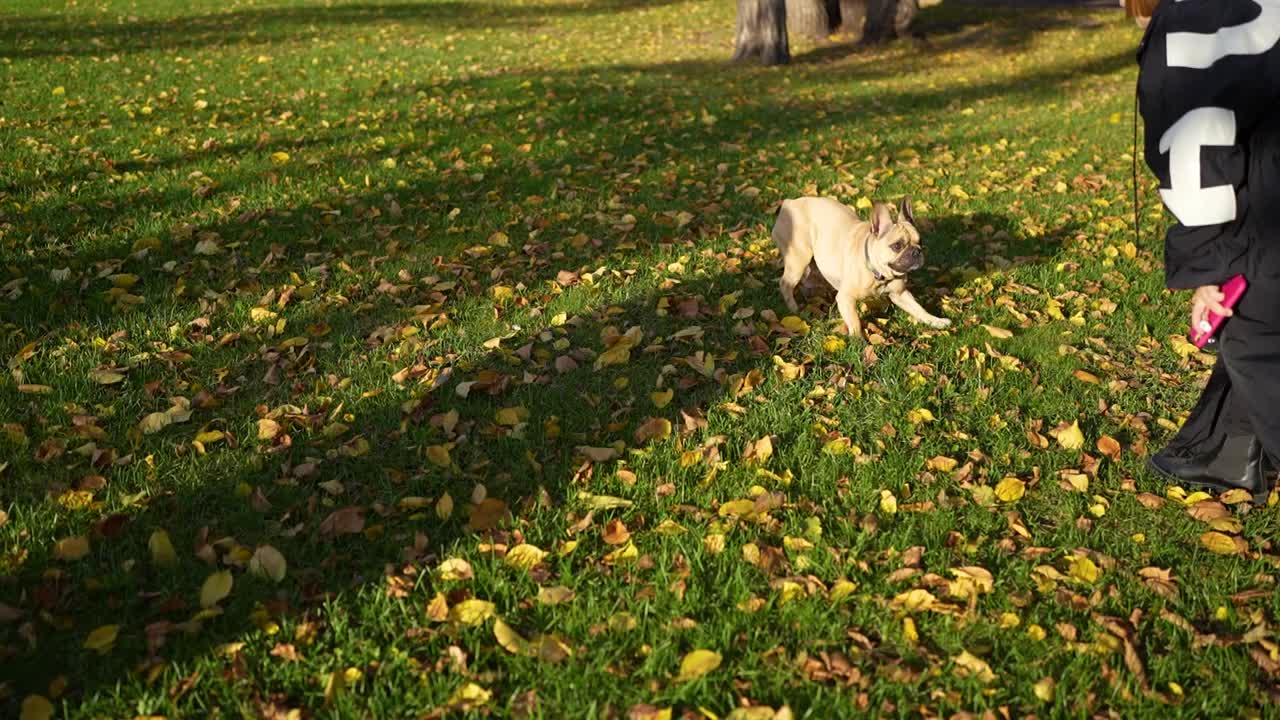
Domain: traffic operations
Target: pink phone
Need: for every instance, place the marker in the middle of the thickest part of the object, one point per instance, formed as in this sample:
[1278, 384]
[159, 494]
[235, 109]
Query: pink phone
[1231, 290]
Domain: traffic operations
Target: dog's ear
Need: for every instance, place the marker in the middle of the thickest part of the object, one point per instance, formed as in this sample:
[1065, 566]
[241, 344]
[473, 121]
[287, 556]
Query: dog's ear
[881, 219]
[904, 210]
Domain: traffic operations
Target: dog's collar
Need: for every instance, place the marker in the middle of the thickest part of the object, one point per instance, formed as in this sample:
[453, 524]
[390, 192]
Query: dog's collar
[866, 251]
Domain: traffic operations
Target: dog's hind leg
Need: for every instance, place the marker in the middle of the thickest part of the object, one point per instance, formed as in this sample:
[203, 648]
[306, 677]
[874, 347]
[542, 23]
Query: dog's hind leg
[792, 273]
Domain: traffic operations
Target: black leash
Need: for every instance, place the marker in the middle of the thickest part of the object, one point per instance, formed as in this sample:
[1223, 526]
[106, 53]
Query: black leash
[1137, 215]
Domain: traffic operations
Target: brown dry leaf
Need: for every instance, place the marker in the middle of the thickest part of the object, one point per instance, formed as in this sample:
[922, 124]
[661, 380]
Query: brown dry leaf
[1086, 377]
[941, 463]
[615, 533]
[71, 549]
[1208, 510]
[346, 521]
[654, 429]
[489, 514]
[759, 451]
[1109, 447]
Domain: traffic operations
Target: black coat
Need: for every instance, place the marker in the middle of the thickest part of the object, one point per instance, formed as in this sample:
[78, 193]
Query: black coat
[1209, 95]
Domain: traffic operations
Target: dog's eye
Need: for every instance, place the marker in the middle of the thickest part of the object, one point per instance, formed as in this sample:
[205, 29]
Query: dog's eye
[896, 246]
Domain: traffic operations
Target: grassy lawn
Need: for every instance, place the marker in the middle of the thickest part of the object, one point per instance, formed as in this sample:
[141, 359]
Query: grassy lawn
[405, 359]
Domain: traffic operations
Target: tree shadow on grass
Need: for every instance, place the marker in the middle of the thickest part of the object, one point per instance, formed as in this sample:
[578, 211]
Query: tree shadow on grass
[73, 35]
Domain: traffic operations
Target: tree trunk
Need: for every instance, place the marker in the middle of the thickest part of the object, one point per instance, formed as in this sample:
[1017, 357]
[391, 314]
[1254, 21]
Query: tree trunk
[883, 19]
[808, 17]
[852, 14]
[906, 15]
[762, 32]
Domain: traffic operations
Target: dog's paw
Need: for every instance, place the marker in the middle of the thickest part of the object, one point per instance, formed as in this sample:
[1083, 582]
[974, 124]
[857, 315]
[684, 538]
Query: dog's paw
[939, 323]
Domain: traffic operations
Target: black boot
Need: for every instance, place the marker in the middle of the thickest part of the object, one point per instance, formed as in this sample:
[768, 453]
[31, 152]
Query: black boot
[1241, 463]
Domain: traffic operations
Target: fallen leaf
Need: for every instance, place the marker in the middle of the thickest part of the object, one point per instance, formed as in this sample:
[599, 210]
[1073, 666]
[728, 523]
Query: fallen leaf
[997, 332]
[102, 639]
[268, 429]
[269, 563]
[555, 595]
[162, 552]
[1109, 447]
[71, 549]
[346, 521]
[36, 707]
[654, 429]
[698, 663]
[1010, 489]
[455, 570]
[525, 556]
[1223, 544]
[1069, 436]
[615, 533]
[472, 612]
[216, 587]
[509, 639]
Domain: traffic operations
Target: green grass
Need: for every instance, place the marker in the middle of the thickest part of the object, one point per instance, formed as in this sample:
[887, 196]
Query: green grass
[469, 191]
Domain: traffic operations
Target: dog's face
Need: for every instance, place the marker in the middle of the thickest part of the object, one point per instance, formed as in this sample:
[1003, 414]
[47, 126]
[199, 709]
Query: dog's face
[894, 245]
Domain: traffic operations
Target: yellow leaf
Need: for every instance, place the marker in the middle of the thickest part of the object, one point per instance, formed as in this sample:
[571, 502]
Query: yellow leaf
[279, 157]
[509, 639]
[1070, 437]
[698, 663]
[1223, 544]
[471, 612]
[662, 398]
[511, 416]
[942, 463]
[268, 429]
[795, 325]
[915, 599]
[919, 415]
[555, 595]
[1086, 377]
[438, 608]
[997, 332]
[833, 343]
[975, 665]
[105, 377]
[1083, 569]
[36, 707]
[841, 590]
[909, 630]
[71, 549]
[626, 552]
[888, 502]
[439, 455]
[1045, 689]
[713, 544]
[102, 639]
[1011, 489]
[455, 569]
[162, 552]
[469, 696]
[269, 563]
[444, 506]
[1235, 497]
[525, 556]
[216, 587]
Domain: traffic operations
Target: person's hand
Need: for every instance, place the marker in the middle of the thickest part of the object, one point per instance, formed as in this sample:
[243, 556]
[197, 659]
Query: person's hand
[1206, 298]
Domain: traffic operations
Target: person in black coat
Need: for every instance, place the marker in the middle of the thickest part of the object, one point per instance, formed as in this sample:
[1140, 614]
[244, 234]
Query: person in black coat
[1209, 97]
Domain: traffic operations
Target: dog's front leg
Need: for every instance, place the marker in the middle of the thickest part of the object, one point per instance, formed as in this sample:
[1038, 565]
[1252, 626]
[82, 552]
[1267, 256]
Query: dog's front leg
[905, 300]
[846, 302]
